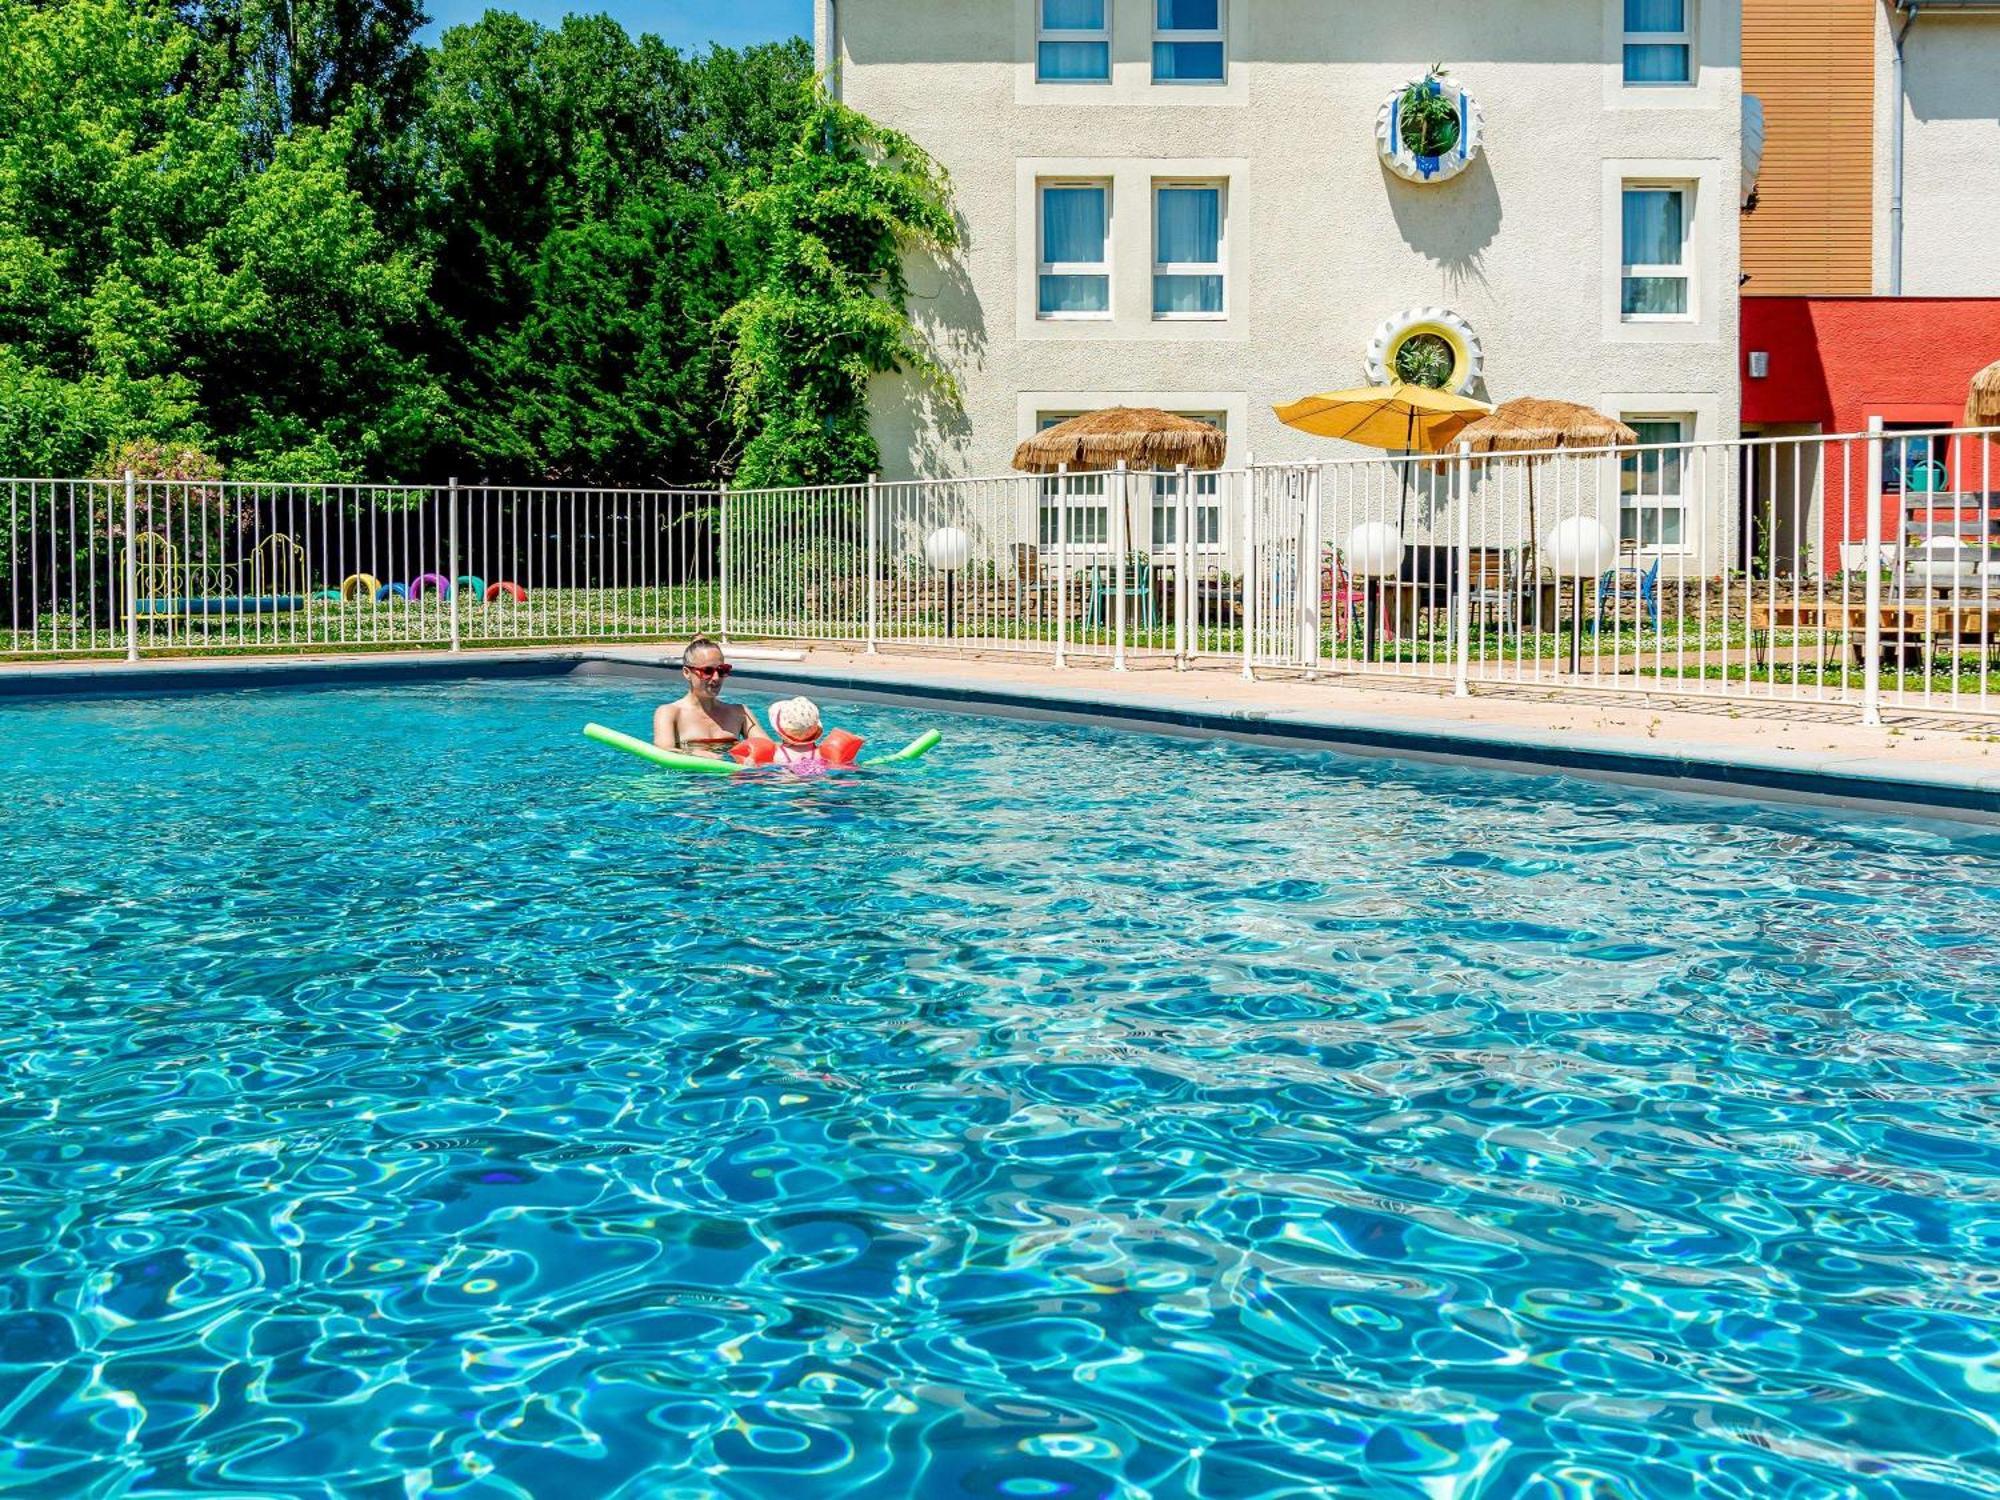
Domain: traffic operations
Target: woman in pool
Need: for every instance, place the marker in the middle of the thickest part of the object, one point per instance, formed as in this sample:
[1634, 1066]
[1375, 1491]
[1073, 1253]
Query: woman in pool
[701, 723]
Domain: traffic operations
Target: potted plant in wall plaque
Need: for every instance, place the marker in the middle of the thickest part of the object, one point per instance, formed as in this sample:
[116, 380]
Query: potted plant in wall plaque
[1429, 129]
[1427, 119]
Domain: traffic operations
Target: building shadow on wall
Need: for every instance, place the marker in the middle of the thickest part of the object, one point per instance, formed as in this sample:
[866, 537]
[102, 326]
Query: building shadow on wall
[944, 307]
[1450, 223]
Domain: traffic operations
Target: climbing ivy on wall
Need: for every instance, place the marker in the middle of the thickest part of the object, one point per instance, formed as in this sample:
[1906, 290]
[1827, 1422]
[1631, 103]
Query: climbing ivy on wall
[840, 220]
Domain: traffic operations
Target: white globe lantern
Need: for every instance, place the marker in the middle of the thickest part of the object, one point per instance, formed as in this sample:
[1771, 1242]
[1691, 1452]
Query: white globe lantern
[1580, 548]
[948, 549]
[1375, 550]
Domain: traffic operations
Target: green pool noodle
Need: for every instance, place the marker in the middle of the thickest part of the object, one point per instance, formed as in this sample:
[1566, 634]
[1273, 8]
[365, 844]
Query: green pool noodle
[673, 760]
[701, 765]
[917, 749]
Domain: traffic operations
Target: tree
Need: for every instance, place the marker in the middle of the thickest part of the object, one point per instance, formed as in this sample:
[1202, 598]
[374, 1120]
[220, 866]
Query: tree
[586, 252]
[158, 281]
[307, 62]
[838, 219]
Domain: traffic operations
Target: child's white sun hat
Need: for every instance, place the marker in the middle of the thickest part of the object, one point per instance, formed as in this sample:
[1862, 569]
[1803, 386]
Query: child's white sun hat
[796, 718]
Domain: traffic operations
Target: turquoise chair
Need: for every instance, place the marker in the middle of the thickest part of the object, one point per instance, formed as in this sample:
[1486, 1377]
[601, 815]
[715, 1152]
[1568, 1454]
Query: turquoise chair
[1138, 586]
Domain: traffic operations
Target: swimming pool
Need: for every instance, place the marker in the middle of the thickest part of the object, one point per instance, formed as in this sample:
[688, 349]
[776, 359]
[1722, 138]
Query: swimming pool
[404, 1095]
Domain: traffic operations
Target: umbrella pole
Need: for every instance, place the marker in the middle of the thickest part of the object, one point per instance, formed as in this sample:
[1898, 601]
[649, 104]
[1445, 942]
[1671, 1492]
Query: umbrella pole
[1403, 501]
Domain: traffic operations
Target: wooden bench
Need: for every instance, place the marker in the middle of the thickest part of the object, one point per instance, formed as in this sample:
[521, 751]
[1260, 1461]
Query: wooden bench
[1911, 629]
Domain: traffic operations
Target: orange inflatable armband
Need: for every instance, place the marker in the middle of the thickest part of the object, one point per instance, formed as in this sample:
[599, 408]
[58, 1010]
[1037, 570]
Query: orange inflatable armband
[758, 752]
[839, 747]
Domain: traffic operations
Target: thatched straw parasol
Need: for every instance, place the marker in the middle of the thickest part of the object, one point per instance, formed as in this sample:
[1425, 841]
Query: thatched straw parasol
[1982, 405]
[1138, 436]
[1531, 424]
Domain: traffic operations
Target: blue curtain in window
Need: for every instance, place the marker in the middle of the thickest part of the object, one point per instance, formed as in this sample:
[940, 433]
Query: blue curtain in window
[1189, 227]
[1187, 62]
[1188, 15]
[1653, 228]
[1655, 15]
[1187, 230]
[1072, 15]
[1656, 472]
[1664, 296]
[1073, 226]
[1073, 62]
[1656, 63]
[1187, 294]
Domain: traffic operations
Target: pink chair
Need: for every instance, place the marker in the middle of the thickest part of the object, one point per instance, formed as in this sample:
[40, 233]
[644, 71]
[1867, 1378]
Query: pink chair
[1339, 596]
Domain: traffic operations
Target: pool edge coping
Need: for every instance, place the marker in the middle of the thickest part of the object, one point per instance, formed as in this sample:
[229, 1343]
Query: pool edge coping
[1836, 779]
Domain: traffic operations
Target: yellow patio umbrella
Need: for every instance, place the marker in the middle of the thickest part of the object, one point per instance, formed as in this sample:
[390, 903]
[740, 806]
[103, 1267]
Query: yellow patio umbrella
[1411, 417]
[1414, 418]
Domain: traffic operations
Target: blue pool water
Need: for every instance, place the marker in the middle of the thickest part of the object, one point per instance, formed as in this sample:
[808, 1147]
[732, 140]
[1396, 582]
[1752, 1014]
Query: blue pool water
[404, 1096]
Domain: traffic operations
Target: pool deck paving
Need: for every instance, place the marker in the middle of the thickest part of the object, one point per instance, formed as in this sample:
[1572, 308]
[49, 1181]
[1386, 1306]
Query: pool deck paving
[1775, 748]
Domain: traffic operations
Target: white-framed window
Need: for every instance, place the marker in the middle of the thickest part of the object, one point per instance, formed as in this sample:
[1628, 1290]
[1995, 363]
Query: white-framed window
[1659, 43]
[1188, 43]
[1083, 495]
[1657, 220]
[1073, 41]
[1189, 244]
[1205, 487]
[1652, 503]
[1073, 279]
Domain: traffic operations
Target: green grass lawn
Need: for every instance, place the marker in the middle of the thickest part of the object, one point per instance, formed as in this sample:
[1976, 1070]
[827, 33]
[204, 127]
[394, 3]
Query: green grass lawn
[583, 616]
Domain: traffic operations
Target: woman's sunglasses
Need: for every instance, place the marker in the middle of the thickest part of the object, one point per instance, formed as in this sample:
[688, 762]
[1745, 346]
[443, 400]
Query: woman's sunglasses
[714, 674]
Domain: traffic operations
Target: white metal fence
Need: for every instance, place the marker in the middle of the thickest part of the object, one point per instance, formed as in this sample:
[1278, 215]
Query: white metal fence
[1860, 570]
[132, 567]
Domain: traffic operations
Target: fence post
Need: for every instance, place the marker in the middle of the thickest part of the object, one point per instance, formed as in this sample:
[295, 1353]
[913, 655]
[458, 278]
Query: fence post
[1460, 688]
[455, 571]
[1316, 597]
[722, 531]
[1121, 565]
[1062, 563]
[1183, 559]
[1248, 612]
[131, 567]
[874, 560]
[1871, 650]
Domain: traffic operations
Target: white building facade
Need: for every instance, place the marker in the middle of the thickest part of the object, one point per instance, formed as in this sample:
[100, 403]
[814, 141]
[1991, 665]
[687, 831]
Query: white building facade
[1948, 95]
[1207, 206]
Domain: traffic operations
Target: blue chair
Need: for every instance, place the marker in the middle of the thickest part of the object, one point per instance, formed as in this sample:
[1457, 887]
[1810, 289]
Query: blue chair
[1136, 585]
[1649, 589]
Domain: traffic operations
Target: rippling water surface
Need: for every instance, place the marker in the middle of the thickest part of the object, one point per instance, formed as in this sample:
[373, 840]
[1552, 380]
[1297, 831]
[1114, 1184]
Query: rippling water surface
[403, 1095]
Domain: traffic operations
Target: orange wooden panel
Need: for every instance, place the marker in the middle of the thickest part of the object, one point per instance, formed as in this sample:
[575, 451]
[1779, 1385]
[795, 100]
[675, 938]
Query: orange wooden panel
[1812, 62]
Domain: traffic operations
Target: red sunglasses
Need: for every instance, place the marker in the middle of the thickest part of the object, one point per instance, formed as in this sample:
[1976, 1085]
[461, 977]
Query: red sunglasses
[714, 672]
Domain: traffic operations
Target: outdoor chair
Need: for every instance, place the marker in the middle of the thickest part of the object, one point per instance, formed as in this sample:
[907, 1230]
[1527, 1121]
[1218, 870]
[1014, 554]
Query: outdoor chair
[1644, 586]
[1338, 596]
[1136, 585]
[1491, 589]
[1034, 581]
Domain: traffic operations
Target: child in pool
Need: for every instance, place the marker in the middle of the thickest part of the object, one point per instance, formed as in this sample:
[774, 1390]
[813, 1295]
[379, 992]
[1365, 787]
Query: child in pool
[803, 746]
